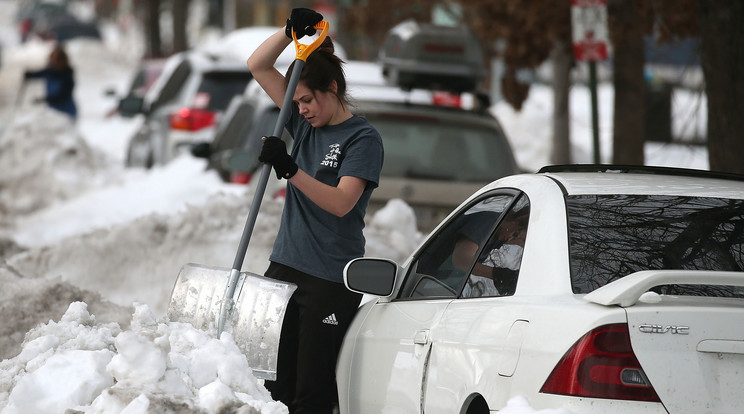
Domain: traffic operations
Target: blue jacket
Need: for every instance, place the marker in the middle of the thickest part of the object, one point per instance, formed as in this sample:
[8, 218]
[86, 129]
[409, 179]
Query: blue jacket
[59, 87]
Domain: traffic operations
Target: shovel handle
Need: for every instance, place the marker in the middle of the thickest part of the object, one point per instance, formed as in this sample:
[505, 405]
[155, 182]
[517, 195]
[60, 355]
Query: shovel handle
[284, 112]
[229, 298]
[303, 50]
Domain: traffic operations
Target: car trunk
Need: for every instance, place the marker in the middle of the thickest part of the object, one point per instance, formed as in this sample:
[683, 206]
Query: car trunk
[692, 344]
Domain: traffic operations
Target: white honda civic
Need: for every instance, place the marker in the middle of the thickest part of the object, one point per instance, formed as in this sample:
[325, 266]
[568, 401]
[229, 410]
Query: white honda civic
[596, 289]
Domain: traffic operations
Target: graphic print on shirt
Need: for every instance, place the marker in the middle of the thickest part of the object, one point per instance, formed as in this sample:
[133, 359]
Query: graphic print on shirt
[331, 159]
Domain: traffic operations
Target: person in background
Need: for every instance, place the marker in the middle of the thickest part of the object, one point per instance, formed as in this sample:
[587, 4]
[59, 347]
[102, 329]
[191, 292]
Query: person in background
[331, 170]
[60, 82]
[495, 272]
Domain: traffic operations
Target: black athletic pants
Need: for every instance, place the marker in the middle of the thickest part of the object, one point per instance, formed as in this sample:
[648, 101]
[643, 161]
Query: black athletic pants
[317, 317]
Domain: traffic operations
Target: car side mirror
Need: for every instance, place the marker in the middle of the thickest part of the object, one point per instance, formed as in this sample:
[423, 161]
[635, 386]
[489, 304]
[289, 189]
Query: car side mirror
[371, 275]
[130, 106]
[201, 150]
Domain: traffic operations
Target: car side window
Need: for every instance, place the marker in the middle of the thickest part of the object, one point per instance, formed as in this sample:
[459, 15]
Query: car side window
[236, 129]
[173, 86]
[443, 266]
[496, 271]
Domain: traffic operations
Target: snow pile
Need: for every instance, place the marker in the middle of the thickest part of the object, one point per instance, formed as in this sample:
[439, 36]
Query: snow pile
[153, 367]
[44, 161]
[392, 232]
[26, 302]
[138, 261]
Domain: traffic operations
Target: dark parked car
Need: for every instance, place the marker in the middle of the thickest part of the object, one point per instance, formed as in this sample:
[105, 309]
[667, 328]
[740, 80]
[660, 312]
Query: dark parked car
[53, 20]
[233, 152]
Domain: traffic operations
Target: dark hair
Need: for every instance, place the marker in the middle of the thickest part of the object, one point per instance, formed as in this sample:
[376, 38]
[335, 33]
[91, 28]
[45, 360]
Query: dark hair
[321, 68]
[58, 58]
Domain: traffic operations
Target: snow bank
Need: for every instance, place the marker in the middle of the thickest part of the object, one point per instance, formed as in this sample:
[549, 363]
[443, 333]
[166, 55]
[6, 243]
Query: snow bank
[155, 366]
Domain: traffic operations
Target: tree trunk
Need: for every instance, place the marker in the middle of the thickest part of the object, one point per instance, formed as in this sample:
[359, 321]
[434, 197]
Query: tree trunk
[629, 83]
[152, 28]
[562, 62]
[722, 56]
[180, 16]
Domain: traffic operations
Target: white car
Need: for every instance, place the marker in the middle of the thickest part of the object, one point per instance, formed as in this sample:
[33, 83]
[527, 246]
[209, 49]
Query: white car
[595, 289]
[186, 104]
[183, 106]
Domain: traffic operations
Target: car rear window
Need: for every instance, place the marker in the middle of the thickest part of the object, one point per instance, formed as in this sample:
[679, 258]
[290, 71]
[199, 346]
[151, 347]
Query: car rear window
[218, 88]
[611, 236]
[429, 147]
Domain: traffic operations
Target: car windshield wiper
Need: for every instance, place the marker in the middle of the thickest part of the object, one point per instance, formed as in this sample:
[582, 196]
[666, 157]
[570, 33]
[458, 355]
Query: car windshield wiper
[429, 174]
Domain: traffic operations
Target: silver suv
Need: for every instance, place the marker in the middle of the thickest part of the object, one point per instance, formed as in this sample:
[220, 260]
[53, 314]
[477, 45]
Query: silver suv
[183, 106]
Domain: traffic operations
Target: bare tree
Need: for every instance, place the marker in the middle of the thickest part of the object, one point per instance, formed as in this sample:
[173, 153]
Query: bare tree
[627, 22]
[562, 64]
[180, 10]
[722, 37]
[149, 10]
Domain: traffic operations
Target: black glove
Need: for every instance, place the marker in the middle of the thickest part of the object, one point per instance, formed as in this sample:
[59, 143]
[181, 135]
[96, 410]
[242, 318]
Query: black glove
[302, 21]
[274, 152]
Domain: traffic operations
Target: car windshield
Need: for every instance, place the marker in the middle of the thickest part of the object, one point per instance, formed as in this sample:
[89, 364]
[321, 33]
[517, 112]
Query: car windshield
[611, 236]
[220, 87]
[432, 148]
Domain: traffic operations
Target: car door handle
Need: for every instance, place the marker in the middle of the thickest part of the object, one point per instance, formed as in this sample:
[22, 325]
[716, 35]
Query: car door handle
[421, 337]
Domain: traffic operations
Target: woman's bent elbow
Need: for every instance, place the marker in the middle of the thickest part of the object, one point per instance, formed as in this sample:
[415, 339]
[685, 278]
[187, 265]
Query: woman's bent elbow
[340, 213]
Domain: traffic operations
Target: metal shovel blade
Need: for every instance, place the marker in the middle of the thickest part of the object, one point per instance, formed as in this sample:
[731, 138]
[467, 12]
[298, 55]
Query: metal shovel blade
[255, 321]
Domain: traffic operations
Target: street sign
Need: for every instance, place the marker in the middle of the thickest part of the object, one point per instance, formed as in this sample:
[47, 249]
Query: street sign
[589, 29]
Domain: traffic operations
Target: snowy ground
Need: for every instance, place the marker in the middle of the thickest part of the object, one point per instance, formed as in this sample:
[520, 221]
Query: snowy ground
[89, 250]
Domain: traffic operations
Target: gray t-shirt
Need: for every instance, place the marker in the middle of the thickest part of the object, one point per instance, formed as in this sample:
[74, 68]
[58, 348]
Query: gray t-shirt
[310, 239]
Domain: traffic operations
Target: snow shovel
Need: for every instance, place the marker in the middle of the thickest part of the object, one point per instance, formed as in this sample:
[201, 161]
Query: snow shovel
[248, 305]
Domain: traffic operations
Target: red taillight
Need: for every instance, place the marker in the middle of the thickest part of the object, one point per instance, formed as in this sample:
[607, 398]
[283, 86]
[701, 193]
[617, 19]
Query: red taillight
[601, 365]
[240, 178]
[441, 98]
[190, 119]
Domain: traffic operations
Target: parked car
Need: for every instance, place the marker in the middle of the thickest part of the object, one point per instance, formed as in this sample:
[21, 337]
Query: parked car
[145, 75]
[625, 294]
[441, 142]
[435, 156]
[187, 102]
[438, 150]
[233, 152]
[33, 16]
[53, 20]
[183, 106]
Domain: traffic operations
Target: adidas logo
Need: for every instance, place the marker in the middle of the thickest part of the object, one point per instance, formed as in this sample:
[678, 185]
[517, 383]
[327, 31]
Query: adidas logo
[331, 319]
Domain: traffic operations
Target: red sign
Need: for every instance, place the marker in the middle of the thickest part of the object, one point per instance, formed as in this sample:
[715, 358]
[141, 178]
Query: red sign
[589, 29]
